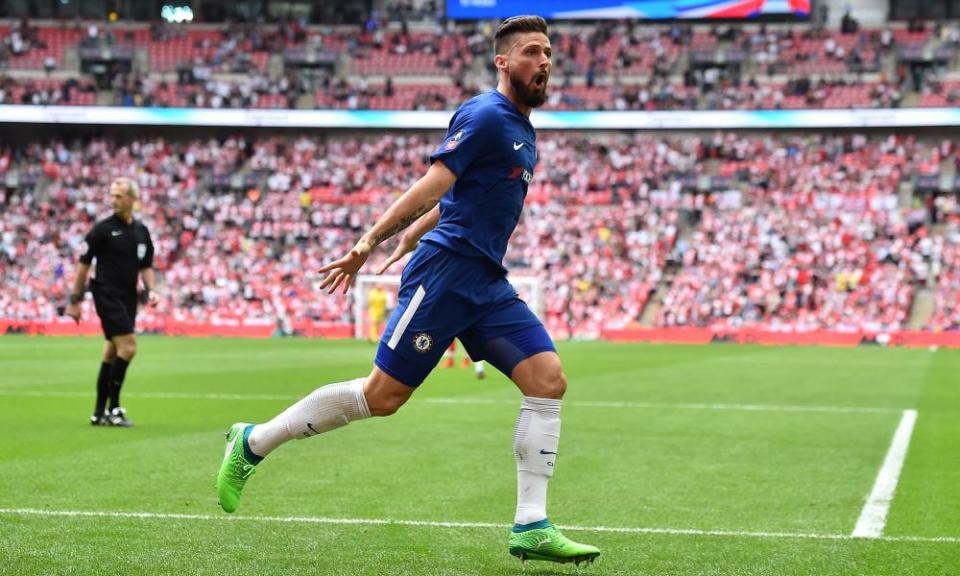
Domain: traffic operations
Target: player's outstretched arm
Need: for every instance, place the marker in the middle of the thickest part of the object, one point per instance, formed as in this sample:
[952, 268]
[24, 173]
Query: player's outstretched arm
[76, 296]
[411, 236]
[411, 205]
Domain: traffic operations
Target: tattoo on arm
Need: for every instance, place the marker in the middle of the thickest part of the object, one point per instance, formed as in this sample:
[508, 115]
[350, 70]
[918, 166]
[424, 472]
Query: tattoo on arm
[403, 223]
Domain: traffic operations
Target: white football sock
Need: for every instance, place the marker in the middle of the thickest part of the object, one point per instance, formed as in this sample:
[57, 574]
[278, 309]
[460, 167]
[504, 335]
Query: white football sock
[535, 445]
[478, 366]
[325, 409]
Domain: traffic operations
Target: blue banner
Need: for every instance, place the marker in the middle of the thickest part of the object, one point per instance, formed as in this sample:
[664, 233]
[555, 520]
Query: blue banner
[624, 9]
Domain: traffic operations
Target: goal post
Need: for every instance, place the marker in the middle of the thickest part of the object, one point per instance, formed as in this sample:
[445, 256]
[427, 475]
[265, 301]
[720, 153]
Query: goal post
[529, 288]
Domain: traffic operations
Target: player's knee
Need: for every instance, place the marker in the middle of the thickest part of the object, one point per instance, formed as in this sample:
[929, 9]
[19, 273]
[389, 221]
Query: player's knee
[384, 397]
[127, 350]
[548, 383]
[551, 382]
[384, 405]
[541, 376]
[554, 384]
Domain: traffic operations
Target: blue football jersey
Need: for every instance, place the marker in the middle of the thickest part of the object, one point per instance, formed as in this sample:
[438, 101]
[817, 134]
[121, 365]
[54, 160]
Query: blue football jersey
[492, 148]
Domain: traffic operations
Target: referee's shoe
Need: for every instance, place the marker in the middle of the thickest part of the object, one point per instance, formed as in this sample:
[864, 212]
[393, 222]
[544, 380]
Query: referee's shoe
[118, 417]
[99, 420]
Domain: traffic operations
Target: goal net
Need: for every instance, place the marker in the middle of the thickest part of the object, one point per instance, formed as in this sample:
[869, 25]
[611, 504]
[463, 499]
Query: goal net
[528, 288]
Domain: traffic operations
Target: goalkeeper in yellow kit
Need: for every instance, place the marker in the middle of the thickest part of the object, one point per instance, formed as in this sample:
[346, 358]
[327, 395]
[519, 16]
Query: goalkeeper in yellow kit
[376, 311]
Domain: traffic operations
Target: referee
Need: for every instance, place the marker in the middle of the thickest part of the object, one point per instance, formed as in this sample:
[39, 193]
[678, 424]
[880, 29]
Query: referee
[123, 250]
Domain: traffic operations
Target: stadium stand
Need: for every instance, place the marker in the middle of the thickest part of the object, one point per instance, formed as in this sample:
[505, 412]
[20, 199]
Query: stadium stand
[947, 300]
[778, 232]
[433, 64]
[791, 233]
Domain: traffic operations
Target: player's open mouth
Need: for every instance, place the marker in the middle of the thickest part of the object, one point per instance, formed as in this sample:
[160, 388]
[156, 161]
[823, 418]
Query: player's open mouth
[540, 80]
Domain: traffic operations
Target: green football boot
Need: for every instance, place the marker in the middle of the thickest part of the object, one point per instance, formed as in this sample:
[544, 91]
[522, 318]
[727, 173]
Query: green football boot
[235, 470]
[549, 544]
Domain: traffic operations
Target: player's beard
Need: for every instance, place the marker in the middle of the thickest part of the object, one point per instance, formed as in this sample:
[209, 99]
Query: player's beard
[531, 93]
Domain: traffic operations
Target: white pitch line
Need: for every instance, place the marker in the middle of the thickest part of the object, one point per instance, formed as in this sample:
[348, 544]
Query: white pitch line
[873, 518]
[154, 395]
[444, 524]
[684, 405]
[487, 401]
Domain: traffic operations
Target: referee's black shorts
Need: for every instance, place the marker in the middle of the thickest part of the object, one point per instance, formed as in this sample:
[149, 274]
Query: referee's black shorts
[117, 312]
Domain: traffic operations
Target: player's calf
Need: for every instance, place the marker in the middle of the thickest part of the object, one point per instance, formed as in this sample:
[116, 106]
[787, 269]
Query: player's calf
[326, 408]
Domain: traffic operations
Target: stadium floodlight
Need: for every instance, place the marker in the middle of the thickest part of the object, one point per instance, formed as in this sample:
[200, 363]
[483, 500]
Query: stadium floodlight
[176, 14]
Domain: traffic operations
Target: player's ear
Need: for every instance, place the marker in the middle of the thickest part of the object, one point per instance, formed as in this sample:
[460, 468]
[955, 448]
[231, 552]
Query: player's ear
[500, 61]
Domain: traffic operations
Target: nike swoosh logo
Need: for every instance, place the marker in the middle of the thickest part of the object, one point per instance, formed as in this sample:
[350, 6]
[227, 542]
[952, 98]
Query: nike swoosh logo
[542, 451]
[518, 146]
[116, 233]
[230, 446]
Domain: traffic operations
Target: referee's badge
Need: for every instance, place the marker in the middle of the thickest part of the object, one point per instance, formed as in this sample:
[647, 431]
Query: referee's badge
[422, 342]
[141, 251]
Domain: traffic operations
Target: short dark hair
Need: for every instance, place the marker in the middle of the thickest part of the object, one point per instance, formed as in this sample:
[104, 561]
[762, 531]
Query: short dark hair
[516, 25]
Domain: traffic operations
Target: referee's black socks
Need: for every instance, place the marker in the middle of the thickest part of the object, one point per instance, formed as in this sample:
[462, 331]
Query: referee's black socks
[103, 388]
[117, 373]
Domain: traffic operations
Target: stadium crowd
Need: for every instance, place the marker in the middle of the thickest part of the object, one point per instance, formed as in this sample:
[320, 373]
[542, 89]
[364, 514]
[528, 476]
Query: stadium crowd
[946, 315]
[791, 232]
[817, 240]
[433, 64]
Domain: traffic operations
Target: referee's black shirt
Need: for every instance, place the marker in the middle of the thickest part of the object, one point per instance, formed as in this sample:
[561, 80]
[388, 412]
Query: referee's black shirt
[121, 250]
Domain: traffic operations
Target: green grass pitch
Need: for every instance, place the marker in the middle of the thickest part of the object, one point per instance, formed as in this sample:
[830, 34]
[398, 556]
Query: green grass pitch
[713, 460]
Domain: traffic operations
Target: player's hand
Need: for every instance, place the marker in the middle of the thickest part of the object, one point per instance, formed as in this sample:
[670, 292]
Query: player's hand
[406, 245]
[153, 299]
[73, 311]
[342, 272]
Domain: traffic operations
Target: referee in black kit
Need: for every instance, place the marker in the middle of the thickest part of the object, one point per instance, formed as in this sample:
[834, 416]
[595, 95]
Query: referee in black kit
[123, 250]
